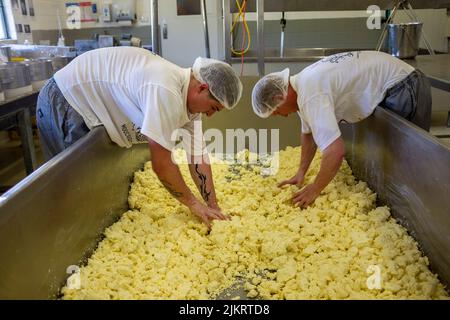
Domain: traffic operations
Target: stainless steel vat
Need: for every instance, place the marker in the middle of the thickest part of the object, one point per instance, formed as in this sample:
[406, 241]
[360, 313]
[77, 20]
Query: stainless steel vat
[54, 218]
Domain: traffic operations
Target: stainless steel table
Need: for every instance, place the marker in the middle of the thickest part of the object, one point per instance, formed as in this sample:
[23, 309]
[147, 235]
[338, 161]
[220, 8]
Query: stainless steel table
[17, 113]
[437, 69]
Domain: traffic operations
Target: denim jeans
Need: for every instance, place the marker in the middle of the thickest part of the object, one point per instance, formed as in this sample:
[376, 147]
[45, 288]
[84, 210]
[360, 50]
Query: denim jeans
[411, 99]
[59, 124]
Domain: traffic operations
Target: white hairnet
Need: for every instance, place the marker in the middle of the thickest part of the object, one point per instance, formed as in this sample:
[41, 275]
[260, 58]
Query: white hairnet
[263, 95]
[221, 79]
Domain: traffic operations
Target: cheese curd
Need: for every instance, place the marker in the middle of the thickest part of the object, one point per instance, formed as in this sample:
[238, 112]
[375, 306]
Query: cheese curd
[334, 249]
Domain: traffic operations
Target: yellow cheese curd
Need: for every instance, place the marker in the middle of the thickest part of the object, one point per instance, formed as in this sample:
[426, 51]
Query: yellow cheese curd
[159, 250]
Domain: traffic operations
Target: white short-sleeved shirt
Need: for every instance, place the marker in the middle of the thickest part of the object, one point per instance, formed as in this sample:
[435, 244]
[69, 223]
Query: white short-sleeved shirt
[344, 87]
[132, 92]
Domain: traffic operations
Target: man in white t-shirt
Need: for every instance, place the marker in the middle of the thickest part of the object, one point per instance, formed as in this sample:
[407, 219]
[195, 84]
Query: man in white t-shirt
[344, 87]
[140, 97]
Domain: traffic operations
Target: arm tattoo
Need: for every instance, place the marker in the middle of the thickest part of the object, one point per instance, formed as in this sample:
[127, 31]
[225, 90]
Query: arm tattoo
[202, 178]
[169, 188]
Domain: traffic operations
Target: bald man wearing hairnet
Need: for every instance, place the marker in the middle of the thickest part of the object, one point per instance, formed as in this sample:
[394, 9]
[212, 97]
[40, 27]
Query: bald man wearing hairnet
[140, 97]
[345, 87]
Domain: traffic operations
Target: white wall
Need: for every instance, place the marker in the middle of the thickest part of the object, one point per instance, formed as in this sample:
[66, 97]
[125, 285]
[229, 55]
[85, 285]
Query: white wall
[142, 9]
[186, 40]
[44, 18]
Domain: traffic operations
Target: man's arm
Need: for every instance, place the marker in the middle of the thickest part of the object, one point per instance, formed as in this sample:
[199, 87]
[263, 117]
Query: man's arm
[201, 173]
[331, 162]
[170, 176]
[309, 149]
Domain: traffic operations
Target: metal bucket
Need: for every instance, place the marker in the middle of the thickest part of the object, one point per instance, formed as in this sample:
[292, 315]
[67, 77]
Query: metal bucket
[404, 39]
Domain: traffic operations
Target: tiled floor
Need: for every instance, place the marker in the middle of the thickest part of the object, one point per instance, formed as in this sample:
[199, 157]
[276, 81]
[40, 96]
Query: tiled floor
[12, 168]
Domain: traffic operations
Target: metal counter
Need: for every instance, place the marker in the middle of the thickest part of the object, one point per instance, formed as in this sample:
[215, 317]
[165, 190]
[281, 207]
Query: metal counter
[437, 69]
[17, 112]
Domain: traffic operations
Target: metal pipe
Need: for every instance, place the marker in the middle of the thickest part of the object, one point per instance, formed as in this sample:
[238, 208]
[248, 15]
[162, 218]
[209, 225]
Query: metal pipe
[226, 30]
[205, 28]
[283, 26]
[155, 29]
[260, 36]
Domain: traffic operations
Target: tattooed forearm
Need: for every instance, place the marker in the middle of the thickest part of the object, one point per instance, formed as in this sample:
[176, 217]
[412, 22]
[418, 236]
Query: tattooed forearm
[203, 191]
[169, 188]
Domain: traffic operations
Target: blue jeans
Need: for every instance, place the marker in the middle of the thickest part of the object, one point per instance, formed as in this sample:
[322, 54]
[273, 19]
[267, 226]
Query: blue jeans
[59, 124]
[411, 99]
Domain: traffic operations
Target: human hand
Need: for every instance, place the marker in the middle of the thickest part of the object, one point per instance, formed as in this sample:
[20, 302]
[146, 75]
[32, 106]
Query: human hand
[298, 180]
[213, 205]
[306, 196]
[207, 214]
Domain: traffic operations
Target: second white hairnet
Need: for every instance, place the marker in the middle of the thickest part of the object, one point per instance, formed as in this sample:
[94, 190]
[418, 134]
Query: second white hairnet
[222, 80]
[266, 90]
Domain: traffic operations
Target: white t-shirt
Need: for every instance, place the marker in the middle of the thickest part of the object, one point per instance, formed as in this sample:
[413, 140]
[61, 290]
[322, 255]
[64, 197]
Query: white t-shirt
[344, 87]
[132, 92]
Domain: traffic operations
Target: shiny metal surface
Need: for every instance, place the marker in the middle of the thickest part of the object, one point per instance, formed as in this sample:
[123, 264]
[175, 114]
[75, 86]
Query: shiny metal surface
[15, 75]
[205, 28]
[40, 69]
[5, 54]
[156, 48]
[436, 67]
[55, 217]
[282, 44]
[404, 39]
[36, 51]
[60, 62]
[292, 54]
[410, 171]
[105, 41]
[226, 16]
[260, 36]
